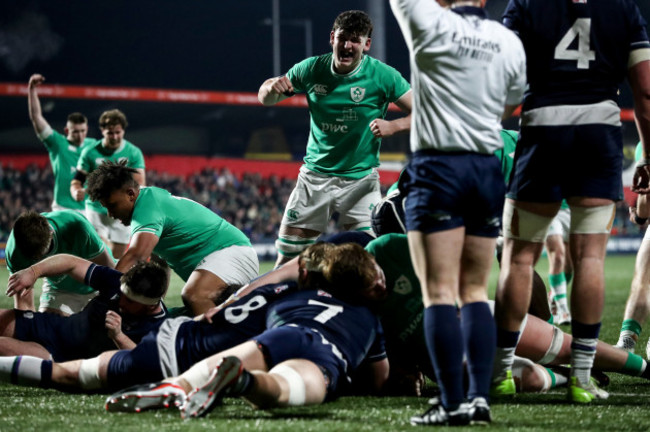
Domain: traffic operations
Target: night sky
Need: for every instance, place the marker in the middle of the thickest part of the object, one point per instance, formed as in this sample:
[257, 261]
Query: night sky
[193, 44]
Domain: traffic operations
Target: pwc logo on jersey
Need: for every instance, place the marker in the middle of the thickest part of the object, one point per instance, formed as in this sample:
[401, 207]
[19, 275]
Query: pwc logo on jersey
[319, 89]
[333, 127]
[357, 94]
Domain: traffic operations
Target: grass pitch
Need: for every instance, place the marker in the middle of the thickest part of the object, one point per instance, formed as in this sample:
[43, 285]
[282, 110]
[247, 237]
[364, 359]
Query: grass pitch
[626, 409]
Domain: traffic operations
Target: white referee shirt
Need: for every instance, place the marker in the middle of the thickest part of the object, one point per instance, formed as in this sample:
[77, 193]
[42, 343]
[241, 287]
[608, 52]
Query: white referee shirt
[464, 69]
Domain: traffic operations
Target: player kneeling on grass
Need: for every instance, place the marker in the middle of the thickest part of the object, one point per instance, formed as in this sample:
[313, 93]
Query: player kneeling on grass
[211, 255]
[36, 236]
[314, 340]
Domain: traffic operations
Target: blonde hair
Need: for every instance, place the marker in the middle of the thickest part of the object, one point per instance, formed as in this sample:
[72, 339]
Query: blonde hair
[345, 270]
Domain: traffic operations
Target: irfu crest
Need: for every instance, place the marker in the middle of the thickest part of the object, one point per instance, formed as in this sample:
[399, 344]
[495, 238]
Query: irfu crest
[357, 93]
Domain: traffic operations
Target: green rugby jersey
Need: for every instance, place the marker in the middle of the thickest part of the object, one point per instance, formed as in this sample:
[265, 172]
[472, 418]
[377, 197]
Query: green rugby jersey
[63, 158]
[402, 313]
[341, 108]
[507, 154]
[96, 154]
[72, 234]
[187, 231]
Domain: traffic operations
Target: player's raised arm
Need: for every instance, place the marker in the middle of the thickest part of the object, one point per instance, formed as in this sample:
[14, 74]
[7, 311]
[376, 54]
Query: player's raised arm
[275, 90]
[34, 104]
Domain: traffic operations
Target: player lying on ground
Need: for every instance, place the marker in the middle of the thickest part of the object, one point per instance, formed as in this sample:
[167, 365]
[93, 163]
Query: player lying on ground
[128, 306]
[179, 343]
[401, 314]
[313, 341]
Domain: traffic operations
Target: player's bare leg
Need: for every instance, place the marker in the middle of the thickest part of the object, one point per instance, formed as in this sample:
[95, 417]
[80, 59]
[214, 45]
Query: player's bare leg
[637, 307]
[201, 291]
[291, 241]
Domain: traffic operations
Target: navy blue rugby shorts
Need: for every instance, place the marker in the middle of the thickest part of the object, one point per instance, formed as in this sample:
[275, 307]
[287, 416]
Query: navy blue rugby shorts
[293, 342]
[557, 162]
[447, 190]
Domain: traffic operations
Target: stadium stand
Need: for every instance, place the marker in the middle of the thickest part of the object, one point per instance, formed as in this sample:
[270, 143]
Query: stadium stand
[252, 200]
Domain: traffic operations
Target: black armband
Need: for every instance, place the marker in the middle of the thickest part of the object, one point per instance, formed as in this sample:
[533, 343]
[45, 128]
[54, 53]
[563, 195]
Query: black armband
[640, 220]
[81, 176]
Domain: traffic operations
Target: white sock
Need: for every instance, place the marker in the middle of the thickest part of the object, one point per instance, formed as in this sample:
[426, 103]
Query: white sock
[24, 370]
[583, 351]
[503, 360]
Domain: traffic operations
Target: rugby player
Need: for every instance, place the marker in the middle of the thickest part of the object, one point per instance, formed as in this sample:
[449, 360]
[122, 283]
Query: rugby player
[63, 150]
[180, 343]
[580, 52]
[313, 341]
[36, 236]
[126, 308]
[560, 271]
[208, 253]
[112, 147]
[348, 93]
[637, 307]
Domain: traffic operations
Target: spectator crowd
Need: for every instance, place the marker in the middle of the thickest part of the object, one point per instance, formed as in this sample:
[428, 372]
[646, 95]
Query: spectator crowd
[252, 203]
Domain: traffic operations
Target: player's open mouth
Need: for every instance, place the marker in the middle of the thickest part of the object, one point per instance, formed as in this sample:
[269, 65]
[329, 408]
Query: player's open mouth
[346, 56]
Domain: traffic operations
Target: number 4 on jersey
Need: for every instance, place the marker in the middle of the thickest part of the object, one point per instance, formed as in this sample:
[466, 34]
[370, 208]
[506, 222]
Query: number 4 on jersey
[580, 29]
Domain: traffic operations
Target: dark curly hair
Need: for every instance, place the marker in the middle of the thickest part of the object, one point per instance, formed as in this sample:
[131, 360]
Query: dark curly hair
[148, 279]
[109, 177]
[355, 22]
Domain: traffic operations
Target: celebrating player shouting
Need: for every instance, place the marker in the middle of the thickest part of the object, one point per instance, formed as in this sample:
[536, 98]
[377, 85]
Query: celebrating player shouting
[348, 93]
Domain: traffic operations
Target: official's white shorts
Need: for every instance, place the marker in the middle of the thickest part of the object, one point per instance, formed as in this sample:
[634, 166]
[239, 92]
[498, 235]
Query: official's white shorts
[235, 265]
[317, 197]
[64, 301]
[109, 228]
[561, 224]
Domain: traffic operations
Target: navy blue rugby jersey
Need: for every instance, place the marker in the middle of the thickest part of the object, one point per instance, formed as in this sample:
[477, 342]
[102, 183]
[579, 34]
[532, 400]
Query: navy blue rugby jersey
[106, 280]
[577, 50]
[354, 330]
[234, 324]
